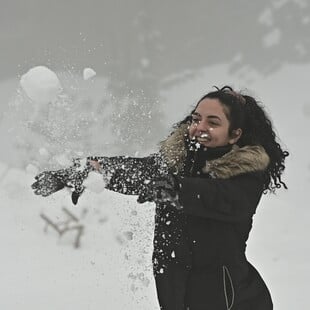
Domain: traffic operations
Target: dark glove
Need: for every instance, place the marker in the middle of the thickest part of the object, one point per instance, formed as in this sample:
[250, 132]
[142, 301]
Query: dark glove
[49, 182]
[162, 189]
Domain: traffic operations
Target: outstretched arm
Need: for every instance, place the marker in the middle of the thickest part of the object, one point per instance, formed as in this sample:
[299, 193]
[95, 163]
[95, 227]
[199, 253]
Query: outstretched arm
[128, 175]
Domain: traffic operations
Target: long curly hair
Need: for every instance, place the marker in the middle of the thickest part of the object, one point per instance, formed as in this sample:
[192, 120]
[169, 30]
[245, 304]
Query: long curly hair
[245, 112]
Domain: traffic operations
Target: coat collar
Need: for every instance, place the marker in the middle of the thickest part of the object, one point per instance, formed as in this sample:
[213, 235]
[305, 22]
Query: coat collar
[246, 159]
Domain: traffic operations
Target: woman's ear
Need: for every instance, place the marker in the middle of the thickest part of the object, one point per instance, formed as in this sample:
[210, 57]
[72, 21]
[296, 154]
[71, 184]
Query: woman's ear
[235, 135]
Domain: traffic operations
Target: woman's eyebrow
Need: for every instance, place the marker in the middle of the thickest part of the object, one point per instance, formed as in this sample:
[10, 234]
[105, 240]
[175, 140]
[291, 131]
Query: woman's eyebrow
[208, 116]
[214, 116]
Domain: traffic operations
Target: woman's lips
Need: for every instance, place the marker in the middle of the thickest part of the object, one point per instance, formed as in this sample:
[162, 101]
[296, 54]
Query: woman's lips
[203, 138]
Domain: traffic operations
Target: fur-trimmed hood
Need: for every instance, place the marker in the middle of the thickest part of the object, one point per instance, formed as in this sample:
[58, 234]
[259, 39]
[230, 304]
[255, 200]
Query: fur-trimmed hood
[238, 161]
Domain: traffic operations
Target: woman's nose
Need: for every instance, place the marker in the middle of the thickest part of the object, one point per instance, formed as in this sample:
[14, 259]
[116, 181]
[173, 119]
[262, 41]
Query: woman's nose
[202, 126]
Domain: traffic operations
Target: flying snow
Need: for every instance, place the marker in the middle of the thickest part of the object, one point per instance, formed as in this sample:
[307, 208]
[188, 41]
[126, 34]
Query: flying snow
[41, 84]
[43, 152]
[88, 73]
[63, 160]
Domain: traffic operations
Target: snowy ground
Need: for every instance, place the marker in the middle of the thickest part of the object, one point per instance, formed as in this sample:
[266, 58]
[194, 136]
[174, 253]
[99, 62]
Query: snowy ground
[112, 267]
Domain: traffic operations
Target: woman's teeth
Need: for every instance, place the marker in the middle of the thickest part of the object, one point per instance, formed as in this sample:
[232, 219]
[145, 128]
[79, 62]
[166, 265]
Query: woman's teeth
[203, 138]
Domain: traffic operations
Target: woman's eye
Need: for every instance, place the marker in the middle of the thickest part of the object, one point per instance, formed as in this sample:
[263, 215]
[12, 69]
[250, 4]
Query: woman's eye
[214, 123]
[195, 120]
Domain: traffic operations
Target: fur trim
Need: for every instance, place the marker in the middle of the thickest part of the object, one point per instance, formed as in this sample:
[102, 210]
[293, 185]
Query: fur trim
[173, 148]
[237, 161]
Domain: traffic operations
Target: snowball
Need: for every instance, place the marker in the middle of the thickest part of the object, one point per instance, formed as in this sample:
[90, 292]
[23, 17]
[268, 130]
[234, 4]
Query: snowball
[95, 182]
[88, 73]
[41, 84]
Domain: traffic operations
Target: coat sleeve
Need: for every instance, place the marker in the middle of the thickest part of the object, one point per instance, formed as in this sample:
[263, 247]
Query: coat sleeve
[130, 175]
[230, 200]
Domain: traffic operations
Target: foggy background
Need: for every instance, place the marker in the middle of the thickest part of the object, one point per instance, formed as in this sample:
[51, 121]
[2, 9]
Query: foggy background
[153, 61]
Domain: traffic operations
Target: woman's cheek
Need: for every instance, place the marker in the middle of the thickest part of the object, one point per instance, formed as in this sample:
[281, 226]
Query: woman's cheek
[191, 131]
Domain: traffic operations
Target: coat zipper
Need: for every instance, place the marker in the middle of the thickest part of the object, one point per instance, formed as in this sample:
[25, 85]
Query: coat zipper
[193, 164]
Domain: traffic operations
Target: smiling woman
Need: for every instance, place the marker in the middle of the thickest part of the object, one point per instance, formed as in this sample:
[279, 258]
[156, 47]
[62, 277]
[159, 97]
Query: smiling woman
[206, 180]
[210, 125]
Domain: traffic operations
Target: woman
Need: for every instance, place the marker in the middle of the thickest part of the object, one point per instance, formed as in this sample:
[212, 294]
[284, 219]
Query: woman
[206, 181]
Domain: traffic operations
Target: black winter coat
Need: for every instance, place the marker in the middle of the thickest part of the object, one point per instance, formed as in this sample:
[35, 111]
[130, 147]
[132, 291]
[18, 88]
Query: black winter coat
[199, 251]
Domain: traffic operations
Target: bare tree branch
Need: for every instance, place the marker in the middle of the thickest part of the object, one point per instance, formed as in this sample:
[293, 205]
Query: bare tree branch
[63, 227]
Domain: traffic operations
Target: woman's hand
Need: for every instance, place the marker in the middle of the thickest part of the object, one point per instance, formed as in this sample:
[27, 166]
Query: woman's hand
[95, 164]
[49, 182]
[162, 189]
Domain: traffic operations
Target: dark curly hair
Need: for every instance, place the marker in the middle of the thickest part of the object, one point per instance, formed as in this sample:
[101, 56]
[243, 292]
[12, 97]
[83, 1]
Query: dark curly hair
[245, 112]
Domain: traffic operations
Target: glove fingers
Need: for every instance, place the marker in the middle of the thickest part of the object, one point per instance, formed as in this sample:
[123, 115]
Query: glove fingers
[76, 195]
[39, 176]
[35, 185]
[37, 192]
[47, 187]
[145, 198]
[42, 192]
[44, 175]
[49, 182]
[141, 199]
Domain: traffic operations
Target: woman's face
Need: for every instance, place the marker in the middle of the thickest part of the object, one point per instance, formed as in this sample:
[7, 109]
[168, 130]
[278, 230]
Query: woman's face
[210, 126]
